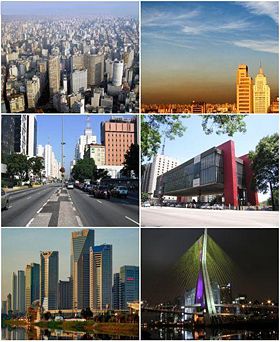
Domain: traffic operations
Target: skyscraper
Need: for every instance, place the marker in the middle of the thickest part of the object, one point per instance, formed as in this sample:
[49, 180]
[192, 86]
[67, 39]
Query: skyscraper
[49, 279]
[117, 135]
[9, 302]
[21, 291]
[31, 135]
[33, 91]
[79, 80]
[101, 277]
[54, 74]
[116, 292]
[244, 90]
[64, 297]
[80, 270]
[14, 292]
[86, 139]
[7, 134]
[261, 93]
[128, 286]
[117, 73]
[32, 284]
[95, 69]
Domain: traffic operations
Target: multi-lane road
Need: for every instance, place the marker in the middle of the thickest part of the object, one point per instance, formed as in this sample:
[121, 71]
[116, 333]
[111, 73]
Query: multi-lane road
[53, 206]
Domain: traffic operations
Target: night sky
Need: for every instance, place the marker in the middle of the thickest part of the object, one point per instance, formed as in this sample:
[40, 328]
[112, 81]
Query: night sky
[254, 252]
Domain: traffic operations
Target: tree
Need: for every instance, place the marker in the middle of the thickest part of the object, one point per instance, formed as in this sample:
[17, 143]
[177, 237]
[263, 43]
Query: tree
[86, 313]
[131, 161]
[17, 165]
[265, 165]
[47, 315]
[84, 169]
[154, 127]
[37, 166]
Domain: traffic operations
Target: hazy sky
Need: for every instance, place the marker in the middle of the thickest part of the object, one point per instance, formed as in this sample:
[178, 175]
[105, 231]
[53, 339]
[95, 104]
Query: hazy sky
[191, 50]
[194, 141]
[21, 246]
[69, 8]
[253, 251]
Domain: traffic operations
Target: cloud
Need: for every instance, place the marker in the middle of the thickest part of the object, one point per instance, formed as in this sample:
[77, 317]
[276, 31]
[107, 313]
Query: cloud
[228, 26]
[270, 46]
[167, 40]
[269, 8]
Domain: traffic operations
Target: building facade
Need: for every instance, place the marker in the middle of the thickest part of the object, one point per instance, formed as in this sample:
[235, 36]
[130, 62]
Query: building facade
[96, 152]
[261, 93]
[128, 286]
[54, 74]
[21, 291]
[32, 284]
[14, 292]
[244, 90]
[64, 297]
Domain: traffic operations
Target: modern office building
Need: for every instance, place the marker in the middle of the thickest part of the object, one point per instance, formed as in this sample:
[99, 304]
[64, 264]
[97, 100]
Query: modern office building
[261, 93]
[7, 134]
[96, 152]
[54, 74]
[31, 135]
[244, 90]
[95, 69]
[128, 285]
[159, 166]
[9, 302]
[32, 284]
[117, 135]
[21, 291]
[101, 277]
[117, 73]
[49, 280]
[116, 292]
[216, 171]
[226, 294]
[79, 81]
[14, 292]
[77, 62]
[80, 270]
[64, 296]
[4, 309]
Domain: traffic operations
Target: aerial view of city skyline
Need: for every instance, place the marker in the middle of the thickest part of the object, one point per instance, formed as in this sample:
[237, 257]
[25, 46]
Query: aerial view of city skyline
[185, 54]
[86, 59]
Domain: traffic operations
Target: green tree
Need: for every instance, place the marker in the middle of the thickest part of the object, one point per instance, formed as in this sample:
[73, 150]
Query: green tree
[265, 165]
[131, 161]
[155, 127]
[37, 166]
[17, 165]
[86, 313]
[84, 169]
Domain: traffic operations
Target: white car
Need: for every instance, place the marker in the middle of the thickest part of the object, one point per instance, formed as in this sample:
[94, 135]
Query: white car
[146, 204]
[70, 185]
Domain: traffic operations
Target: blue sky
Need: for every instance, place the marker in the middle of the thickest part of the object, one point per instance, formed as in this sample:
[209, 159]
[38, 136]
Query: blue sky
[191, 50]
[69, 8]
[21, 246]
[49, 129]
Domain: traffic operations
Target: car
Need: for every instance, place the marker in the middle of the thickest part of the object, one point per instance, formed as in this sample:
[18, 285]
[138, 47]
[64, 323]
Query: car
[5, 201]
[102, 192]
[120, 191]
[146, 205]
[217, 206]
[70, 185]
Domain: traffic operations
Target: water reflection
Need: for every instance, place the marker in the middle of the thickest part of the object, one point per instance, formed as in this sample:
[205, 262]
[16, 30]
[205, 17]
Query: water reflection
[36, 333]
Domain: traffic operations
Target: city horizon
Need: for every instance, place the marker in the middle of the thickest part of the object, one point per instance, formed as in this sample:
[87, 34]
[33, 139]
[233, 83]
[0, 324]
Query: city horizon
[175, 37]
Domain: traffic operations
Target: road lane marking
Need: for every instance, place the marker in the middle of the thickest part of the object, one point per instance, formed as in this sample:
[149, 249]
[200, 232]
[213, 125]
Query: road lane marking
[29, 223]
[130, 219]
[38, 212]
[79, 221]
[99, 201]
[28, 197]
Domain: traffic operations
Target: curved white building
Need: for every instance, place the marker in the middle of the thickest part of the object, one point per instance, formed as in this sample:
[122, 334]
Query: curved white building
[117, 73]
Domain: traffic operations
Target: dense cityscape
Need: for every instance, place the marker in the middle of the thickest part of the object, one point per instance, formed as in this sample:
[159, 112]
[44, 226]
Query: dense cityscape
[70, 64]
[91, 293]
[251, 97]
[99, 175]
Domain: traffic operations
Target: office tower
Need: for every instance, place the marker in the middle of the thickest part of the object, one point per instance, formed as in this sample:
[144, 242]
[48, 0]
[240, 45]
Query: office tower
[21, 132]
[261, 93]
[14, 292]
[244, 90]
[95, 69]
[31, 135]
[9, 302]
[33, 91]
[117, 135]
[7, 134]
[79, 81]
[96, 152]
[117, 73]
[109, 69]
[16, 103]
[64, 296]
[128, 286]
[54, 75]
[85, 139]
[80, 270]
[226, 294]
[77, 62]
[4, 307]
[101, 277]
[65, 85]
[116, 292]
[49, 280]
[32, 284]
[160, 165]
[21, 291]
[42, 68]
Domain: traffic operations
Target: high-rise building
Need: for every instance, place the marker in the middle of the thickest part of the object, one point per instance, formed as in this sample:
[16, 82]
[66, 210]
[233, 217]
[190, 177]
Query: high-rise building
[261, 93]
[244, 90]
[86, 139]
[9, 302]
[95, 69]
[128, 286]
[21, 132]
[4, 307]
[54, 74]
[14, 292]
[7, 134]
[17, 103]
[77, 62]
[31, 135]
[160, 165]
[64, 297]
[52, 166]
[79, 80]
[49, 280]
[117, 135]
[32, 284]
[33, 91]
[117, 73]
[80, 270]
[21, 291]
[101, 277]
[96, 152]
[226, 294]
[116, 292]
